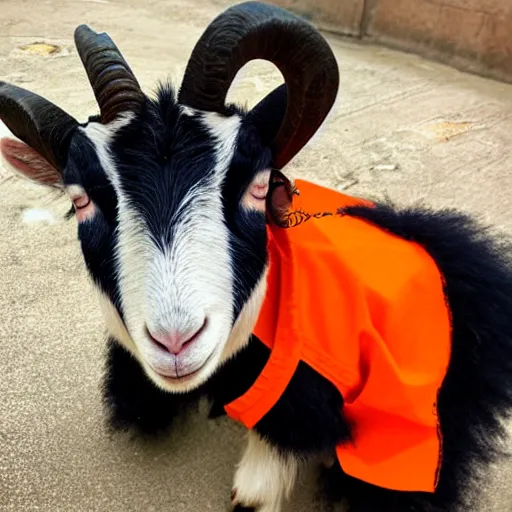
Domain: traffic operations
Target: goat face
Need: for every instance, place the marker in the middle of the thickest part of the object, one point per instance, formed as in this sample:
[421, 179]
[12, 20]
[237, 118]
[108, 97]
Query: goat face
[170, 193]
[173, 233]
[170, 207]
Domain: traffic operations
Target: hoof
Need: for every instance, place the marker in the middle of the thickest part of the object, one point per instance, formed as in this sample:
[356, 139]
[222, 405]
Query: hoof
[237, 507]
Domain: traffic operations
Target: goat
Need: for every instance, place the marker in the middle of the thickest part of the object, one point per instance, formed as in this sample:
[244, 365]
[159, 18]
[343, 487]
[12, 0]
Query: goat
[180, 202]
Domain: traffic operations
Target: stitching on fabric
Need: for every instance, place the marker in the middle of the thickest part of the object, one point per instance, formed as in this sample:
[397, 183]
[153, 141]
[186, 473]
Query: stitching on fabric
[297, 217]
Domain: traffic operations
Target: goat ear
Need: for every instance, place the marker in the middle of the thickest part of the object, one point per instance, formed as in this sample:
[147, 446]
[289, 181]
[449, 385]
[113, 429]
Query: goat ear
[24, 160]
[279, 198]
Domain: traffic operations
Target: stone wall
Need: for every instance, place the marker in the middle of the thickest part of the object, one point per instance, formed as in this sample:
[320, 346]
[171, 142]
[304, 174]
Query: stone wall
[472, 35]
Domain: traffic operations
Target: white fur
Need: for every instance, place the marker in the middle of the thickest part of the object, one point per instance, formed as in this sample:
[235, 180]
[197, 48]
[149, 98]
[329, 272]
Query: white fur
[101, 136]
[75, 190]
[264, 477]
[188, 111]
[246, 320]
[115, 325]
[225, 130]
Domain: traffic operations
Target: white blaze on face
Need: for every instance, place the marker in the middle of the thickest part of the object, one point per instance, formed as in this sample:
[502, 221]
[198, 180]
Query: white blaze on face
[182, 285]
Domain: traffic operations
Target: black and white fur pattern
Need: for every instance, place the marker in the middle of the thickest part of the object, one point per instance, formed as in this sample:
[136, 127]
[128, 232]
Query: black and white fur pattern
[170, 236]
[172, 229]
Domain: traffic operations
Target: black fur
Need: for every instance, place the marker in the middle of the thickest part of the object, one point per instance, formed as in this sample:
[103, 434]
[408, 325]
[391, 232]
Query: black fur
[235, 377]
[97, 239]
[247, 228]
[306, 419]
[133, 402]
[308, 395]
[160, 156]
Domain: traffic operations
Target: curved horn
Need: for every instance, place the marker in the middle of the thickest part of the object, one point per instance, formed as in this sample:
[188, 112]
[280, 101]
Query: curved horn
[254, 30]
[37, 122]
[115, 87]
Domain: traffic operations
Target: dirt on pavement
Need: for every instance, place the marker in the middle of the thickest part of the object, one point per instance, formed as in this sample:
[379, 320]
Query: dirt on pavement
[402, 127]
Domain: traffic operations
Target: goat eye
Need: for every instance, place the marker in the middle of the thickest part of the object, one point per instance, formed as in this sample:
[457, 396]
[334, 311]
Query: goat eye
[259, 187]
[81, 201]
[259, 191]
[256, 193]
[82, 204]
[84, 207]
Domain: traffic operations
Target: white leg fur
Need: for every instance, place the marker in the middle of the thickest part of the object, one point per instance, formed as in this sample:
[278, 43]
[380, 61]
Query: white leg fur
[264, 477]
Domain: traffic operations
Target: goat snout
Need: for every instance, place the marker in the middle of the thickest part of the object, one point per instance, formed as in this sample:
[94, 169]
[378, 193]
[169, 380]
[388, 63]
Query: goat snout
[174, 341]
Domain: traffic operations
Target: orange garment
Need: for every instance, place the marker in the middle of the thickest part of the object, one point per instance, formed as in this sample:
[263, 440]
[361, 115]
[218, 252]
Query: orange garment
[365, 309]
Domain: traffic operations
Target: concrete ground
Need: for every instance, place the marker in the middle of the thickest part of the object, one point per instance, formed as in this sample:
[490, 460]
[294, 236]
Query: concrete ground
[402, 127]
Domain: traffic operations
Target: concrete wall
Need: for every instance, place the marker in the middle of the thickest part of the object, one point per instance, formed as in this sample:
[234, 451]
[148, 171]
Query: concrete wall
[472, 35]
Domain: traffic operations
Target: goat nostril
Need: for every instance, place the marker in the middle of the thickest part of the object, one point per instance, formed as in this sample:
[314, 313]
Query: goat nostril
[156, 342]
[175, 341]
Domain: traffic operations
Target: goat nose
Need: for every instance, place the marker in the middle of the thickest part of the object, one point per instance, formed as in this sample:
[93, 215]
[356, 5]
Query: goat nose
[175, 341]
